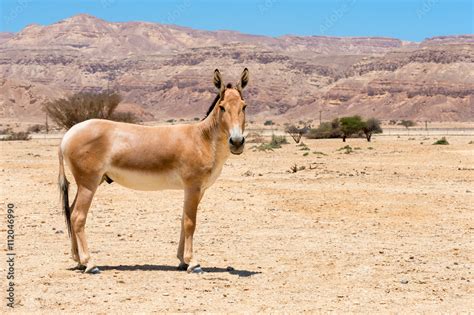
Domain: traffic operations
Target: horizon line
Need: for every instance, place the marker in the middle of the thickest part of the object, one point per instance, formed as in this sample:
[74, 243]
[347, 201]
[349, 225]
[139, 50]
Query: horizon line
[230, 30]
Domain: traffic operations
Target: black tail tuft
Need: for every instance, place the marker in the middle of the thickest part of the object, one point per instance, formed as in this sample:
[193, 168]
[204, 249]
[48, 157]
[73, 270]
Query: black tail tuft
[64, 193]
[65, 203]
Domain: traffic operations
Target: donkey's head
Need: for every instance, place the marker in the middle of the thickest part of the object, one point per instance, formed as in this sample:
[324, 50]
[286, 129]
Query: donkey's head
[231, 107]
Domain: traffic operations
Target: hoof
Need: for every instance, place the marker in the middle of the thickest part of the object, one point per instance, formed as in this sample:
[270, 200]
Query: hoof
[182, 267]
[79, 267]
[196, 269]
[93, 271]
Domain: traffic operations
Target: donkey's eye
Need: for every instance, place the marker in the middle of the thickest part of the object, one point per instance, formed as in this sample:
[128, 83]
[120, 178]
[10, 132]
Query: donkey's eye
[222, 108]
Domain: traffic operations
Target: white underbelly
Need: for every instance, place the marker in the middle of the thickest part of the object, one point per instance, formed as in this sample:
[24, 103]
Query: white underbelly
[141, 180]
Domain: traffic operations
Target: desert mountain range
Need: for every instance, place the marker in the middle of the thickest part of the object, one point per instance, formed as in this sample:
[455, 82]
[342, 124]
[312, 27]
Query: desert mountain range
[165, 71]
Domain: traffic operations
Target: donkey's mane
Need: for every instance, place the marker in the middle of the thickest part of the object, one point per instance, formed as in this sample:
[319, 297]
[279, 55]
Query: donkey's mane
[216, 100]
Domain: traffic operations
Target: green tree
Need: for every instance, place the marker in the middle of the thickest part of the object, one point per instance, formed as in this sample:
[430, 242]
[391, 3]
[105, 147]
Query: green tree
[372, 125]
[407, 123]
[351, 125]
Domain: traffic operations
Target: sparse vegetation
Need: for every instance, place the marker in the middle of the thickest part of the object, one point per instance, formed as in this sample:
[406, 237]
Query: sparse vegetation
[297, 132]
[5, 131]
[325, 131]
[441, 141]
[306, 154]
[295, 168]
[37, 128]
[303, 146]
[17, 136]
[268, 123]
[319, 153]
[277, 141]
[372, 126]
[263, 147]
[347, 149]
[407, 123]
[66, 112]
[346, 127]
[351, 125]
[255, 137]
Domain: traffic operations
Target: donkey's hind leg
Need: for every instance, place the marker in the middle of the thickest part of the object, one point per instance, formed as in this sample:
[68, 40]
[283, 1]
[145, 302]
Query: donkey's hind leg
[78, 221]
[74, 250]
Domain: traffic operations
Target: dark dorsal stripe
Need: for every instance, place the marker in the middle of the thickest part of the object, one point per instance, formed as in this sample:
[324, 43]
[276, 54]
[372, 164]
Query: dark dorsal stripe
[216, 100]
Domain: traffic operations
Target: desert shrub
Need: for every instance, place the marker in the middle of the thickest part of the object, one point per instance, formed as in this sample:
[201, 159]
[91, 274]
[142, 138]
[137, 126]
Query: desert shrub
[127, 117]
[171, 121]
[295, 168]
[392, 122]
[268, 123]
[347, 149]
[441, 141]
[296, 132]
[277, 141]
[66, 112]
[263, 147]
[303, 147]
[36, 128]
[325, 131]
[196, 119]
[17, 136]
[407, 123]
[5, 131]
[254, 137]
[319, 153]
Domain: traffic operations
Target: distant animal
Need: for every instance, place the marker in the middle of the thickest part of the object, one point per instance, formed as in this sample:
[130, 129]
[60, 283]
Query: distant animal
[185, 156]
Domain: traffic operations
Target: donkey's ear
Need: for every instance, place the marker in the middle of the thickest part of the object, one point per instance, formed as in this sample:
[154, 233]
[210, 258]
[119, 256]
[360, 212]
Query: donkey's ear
[244, 79]
[218, 83]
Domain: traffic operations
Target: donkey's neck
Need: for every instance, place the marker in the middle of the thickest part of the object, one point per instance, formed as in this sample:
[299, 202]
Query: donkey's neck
[212, 133]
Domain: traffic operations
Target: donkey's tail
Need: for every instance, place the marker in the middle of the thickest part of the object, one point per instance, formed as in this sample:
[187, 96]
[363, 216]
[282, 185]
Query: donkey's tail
[64, 192]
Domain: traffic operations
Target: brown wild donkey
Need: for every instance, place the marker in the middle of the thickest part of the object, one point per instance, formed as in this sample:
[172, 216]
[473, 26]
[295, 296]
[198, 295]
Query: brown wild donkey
[187, 156]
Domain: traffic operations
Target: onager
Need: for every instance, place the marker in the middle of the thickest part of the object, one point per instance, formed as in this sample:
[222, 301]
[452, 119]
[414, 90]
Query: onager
[186, 156]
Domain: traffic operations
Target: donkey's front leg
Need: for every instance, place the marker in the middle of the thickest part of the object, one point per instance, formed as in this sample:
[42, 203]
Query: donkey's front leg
[192, 197]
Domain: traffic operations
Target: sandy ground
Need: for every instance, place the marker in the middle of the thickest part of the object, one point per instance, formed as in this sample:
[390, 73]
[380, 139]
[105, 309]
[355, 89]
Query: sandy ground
[387, 229]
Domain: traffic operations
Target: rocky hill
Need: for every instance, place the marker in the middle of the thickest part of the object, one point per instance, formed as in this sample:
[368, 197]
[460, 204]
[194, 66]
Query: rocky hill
[165, 71]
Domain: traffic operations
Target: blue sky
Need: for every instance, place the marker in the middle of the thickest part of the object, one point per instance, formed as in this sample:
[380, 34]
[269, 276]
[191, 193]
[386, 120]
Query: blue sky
[405, 19]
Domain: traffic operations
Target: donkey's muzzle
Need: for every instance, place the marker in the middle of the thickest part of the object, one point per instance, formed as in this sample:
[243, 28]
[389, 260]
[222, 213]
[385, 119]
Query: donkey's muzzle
[236, 144]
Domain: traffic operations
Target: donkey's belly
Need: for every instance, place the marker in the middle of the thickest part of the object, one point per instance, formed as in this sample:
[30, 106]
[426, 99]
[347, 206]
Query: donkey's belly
[142, 180]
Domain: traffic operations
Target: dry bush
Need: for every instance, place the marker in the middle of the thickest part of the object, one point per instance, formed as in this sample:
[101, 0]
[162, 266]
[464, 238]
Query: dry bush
[297, 132]
[36, 128]
[277, 141]
[17, 136]
[66, 112]
[5, 131]
[295, 168]
[254, 137]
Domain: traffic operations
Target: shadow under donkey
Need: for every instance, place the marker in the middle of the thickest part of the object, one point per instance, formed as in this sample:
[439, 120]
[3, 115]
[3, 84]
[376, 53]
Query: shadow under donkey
[148, 267]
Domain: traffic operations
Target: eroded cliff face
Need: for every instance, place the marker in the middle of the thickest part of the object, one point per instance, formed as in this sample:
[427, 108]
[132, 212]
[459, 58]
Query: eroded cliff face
[165, 71]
